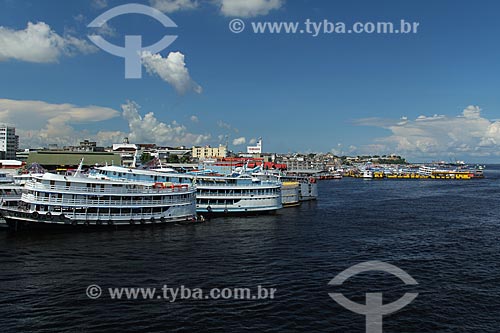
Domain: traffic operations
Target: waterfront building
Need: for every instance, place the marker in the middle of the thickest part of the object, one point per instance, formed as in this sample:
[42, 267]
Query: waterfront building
[257, 149]
[9, 142]
[63, 160]
[209, 152]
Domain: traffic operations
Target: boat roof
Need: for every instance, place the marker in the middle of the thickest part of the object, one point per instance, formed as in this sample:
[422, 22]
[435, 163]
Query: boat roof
[86, 180]
[114, 168]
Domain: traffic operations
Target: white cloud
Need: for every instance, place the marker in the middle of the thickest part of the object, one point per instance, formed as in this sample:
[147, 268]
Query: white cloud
[492, 136]
[340, 150]
[107, 138]
[171, 69]
[252, 141]
[239, 141]
[105, 30]
[226, 126]
[169, 6]
[223, 124]
[472, 112]
[194, 119]
[238, 8]
[337, 150]
[248, 8]
[148, 129]
[39, 43]
[438, 136]
[80, 18]
[40, 123]
[99, 4]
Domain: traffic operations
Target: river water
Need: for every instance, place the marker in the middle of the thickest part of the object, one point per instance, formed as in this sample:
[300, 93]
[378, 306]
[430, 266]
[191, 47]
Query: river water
[445, 234]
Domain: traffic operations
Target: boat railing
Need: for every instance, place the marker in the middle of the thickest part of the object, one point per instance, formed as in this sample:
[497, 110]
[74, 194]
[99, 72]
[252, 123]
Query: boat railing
[235, 185]
[27, 197]
[120, 189]
[105, 217]
[236, 195]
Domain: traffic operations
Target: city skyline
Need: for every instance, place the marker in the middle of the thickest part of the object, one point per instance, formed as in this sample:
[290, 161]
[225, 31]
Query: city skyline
[428, 95]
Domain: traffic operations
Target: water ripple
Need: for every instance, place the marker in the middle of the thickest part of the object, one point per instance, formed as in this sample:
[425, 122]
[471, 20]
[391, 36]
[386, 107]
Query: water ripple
[445, 234]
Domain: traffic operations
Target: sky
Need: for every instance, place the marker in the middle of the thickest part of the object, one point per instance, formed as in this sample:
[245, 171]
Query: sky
[429, 95]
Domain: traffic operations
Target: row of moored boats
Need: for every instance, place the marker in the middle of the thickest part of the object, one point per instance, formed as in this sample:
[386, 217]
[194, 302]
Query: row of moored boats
[115, 196]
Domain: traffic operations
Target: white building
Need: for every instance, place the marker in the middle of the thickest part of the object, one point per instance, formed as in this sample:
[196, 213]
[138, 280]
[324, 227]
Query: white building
[257, 149]
[129, 152]
[209, 152]
[8, 142]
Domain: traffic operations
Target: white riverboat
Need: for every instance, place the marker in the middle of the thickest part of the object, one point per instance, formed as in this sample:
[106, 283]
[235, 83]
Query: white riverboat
[368, 174]
[290, 188]
[294, 189]
[10, 194]
[22, 179]
[6, 178]
[242, 194]
[57, 200]
[215, 195]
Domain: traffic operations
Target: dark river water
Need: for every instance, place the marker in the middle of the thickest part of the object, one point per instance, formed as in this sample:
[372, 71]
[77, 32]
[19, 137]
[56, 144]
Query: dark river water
[445, 234]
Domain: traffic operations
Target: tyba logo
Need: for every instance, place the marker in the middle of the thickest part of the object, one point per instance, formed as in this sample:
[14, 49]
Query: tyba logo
[374, 309]
[133, 48]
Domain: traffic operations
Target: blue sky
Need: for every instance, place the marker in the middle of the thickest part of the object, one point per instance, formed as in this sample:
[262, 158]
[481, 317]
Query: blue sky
[429, 95]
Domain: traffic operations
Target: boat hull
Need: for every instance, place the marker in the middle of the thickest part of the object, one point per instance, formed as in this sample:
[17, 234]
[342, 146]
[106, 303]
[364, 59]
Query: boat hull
[229, 213]
[308, 191]
[26, 223]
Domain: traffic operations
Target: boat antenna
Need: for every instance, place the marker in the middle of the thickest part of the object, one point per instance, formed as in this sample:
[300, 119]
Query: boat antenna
[134, 163]
[245, 167]
[78, 172]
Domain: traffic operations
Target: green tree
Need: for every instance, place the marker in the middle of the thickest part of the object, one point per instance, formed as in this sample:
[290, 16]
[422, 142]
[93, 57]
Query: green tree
[173, 159]
[146, 157]
[185, 159]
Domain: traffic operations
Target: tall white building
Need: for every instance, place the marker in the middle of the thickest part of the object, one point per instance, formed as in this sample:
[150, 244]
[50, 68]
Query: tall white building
[257, 149]
[8, 142]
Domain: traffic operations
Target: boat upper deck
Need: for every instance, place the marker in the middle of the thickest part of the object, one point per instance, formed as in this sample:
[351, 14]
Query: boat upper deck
[147, 176]
[58, 183]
